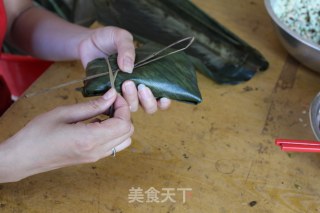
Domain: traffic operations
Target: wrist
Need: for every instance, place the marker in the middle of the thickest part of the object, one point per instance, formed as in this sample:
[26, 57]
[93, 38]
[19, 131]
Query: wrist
[10, 170]
[78, 42]
[16, 158]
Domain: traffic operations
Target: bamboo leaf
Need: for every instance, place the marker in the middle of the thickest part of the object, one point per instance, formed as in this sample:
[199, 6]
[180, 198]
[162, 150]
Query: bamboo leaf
[221, 54]
[173, 77]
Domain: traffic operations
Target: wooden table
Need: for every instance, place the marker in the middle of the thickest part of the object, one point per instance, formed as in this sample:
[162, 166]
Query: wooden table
[223, 149]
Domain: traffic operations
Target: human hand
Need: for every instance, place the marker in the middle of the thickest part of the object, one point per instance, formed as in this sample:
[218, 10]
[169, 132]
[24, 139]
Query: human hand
[109, 40]
[49, 37]
[59, 138]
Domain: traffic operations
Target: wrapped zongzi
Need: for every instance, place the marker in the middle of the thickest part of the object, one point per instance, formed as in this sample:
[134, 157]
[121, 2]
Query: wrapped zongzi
[173, 76]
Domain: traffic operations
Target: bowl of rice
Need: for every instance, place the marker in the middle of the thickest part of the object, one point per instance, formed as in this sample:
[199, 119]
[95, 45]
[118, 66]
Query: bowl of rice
[297, 24]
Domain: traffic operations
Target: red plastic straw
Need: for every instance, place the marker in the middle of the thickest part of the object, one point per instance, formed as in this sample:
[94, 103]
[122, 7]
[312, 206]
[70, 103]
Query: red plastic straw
[298, 145]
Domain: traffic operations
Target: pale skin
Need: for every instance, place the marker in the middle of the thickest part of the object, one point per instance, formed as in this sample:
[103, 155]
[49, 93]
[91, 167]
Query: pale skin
[59, 138]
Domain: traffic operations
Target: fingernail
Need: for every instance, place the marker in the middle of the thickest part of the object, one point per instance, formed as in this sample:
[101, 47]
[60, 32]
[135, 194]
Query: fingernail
[143, 91]
[127, 64]
[164, 100]
[141, 87]
[129, 86]
[109, 94]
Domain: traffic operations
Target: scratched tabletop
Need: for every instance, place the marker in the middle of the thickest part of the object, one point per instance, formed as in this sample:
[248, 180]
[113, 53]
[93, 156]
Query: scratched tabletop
[218, 156]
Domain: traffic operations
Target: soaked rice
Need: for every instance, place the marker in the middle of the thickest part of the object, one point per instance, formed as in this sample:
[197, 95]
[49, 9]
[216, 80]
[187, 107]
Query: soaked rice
[302, 16]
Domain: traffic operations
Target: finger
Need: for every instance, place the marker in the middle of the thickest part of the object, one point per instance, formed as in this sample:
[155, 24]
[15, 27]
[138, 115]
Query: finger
[89, 51]
[147, 99]
[83, 111]
[114, 136]
[94, 145]
[109, 152]
[122, 110]
[164, 103]
[130, 94]
[104, 39]
[120, 41]
[107, 41]
[110, 132]
[126, 51]
[115, 129]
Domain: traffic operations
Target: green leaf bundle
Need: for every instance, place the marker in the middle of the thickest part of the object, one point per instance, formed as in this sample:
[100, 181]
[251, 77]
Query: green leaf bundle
[173, 76]
[217, 52]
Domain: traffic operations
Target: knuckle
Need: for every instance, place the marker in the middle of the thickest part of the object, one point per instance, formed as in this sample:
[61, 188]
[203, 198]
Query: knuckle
[150, 107]
[134, 106]
[123, 33]
[53, 114]
[130, 93]
[83, 45]
[126, 127]
[84, 146]
[95, 105]
[36, 120]
[132, 100]
[56, 111]
[85, 151]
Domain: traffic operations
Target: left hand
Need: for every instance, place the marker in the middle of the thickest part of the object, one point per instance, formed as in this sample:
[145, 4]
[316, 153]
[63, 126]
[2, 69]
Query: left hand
[105, 41]
[45, 35]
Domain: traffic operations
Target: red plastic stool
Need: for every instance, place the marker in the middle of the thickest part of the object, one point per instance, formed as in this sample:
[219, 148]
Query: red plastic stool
[5, 96]
[19, 72]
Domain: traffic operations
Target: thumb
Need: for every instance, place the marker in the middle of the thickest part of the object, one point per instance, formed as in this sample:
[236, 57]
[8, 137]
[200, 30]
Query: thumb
[83, 111]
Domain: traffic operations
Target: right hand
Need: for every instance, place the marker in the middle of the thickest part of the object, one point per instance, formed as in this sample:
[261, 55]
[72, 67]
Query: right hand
[58, 138]
[104, 41]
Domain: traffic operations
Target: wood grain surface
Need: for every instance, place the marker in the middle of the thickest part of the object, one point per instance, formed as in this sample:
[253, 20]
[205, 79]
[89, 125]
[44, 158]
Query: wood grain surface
[222, 149]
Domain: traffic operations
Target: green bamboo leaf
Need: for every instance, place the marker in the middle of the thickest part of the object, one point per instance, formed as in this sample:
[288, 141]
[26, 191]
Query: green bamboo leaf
[223, 55]
[173, 77]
